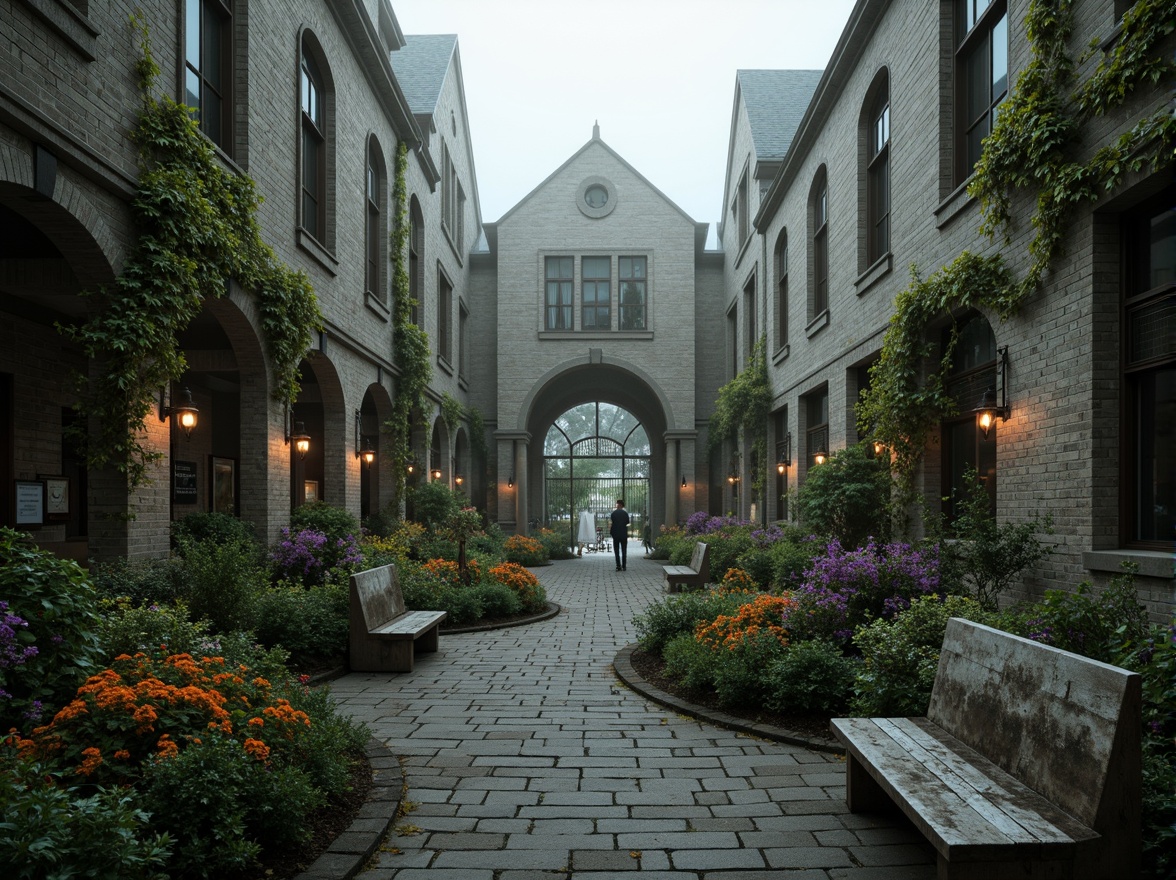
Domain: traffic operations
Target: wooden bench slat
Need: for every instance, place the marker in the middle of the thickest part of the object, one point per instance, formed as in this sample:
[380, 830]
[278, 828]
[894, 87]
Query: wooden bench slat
[410, 624]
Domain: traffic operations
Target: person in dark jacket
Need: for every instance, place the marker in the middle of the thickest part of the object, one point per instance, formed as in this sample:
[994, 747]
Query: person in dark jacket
[619, 530]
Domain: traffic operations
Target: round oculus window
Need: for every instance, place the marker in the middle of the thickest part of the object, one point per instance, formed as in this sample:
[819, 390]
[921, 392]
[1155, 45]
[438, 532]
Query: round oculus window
[596, 196]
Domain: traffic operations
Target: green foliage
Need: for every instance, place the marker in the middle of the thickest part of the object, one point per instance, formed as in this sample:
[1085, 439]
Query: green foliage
[679, 614]
[331, 745]
[497, 600]
[410, 344]
[334, 522]
[525, 550]
[900, 656]
[198, 227]
[217, 528]
[1094, 625]
[739, 672]
[309, 623]
[127, 628]
[451, 412]
[790, 558]
[986, 557]
[434, 503]
[848, 497]
[1030, 153]
[743, 402]
[58, 605]
[555, 542]
[142, 581]
[425, 591]
[50, 830]
[222, 583]
[689, 662]
[811, 676]
[1154, 657]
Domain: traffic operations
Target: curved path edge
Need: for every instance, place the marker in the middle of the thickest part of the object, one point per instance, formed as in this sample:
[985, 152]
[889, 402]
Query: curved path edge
[350, 851]
[623, 667]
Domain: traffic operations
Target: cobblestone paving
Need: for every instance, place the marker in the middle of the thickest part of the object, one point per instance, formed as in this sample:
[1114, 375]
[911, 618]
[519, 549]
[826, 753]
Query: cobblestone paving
[527, 760]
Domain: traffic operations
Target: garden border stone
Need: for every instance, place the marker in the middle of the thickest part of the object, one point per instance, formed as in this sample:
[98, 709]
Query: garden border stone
[350, 851]
[624, 670]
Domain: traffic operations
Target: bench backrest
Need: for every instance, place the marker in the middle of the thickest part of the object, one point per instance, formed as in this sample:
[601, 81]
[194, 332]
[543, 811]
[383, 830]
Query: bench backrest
[698, 559]
[375, 597]
[1065, 725]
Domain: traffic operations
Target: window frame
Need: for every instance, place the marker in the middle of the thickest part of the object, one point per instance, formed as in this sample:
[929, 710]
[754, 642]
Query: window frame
[819, 240]
[816, 429]
[983, 447]
[444, 317]
[1139, 293]
[564, 304]
[375, 230]
[975, 30]
[416, 248]
[599, 308]
[201, 69]
[313, 128]
[640, 282]
[878, 173]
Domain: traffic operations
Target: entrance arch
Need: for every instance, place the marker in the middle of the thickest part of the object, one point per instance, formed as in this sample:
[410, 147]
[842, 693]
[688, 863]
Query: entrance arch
[593, 454]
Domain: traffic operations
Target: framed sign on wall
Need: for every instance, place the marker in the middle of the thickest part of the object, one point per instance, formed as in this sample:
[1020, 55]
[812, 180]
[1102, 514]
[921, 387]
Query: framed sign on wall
[30, 502]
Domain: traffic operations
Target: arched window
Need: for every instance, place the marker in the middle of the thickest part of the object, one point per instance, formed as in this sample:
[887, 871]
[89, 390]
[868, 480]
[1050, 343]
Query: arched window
[819, 236]
[876, 119]
[981, 76]
[782, 289]
[965, 447]
[375, 229]
[314, 101]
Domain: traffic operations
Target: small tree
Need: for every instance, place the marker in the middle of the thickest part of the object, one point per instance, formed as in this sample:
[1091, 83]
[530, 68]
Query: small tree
[847, 497]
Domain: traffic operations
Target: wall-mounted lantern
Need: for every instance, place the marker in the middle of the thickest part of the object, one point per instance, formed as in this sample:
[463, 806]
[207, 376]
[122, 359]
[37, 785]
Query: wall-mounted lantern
[296, 435]
[995, 401]
[185, 413]
[363, 447]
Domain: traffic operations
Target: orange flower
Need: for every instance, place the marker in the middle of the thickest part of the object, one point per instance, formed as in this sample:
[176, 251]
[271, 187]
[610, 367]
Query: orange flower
[122, 755]
[166, 747]
[257, 722]
[257, 749]
[91, 760]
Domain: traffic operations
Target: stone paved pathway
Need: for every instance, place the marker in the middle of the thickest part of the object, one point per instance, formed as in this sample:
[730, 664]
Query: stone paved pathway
[527, 760]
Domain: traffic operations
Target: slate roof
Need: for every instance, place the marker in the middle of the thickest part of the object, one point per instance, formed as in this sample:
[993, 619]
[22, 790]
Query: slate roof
[420, 68]
[775, 102]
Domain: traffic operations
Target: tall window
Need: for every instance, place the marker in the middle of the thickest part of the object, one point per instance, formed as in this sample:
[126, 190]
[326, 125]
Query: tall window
[749, 313]
[819, 214]
[444, 318]
[314, 148]
[783, 455]
[739, 211]
[374, 235]
[816, 411]
[558, 294]
[965, 446]
[981, 76]
[452, 200]
[782, 289]
[878, 176]
[463, 340]
[1149, 373]
[596, 292]
[633, 278]
[208, 67]
[416, 248]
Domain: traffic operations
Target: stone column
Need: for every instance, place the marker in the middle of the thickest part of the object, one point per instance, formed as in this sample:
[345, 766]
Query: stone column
[679, 465]
[512, 462]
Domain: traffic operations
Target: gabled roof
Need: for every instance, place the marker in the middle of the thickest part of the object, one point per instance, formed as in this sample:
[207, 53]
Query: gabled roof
[421, 67]
[775, 102]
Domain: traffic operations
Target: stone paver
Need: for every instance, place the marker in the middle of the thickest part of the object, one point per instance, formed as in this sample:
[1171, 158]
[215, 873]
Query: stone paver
[525, 757]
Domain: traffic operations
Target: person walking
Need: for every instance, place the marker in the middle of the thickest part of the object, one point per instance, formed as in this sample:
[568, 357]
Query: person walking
[586, 533]
[620, 534]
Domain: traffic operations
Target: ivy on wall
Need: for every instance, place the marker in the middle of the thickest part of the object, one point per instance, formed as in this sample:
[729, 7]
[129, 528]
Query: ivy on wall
[410, 344]
[197, 227]
[743, 404]
[1034, 154]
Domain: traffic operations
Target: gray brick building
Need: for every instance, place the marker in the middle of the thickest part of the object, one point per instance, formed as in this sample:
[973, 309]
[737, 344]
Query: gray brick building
[590, 326]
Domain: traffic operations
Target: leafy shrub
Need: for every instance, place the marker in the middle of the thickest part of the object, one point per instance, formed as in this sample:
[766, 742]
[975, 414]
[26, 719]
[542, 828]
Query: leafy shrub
[212, 528]
[525, 585]
[740, 671]
[497, 599]
[309, 623]
[843, 589]
[53, 830]
[689, 662]
[334, 522]
[725, 547]
[126, 628]
[489, 543]
[848, 497]
[222, 582]
[425, 591]
[393, 547]
[680, 614]
[901, 656]
[1095, 626]
[988, 557]
[48, 638]
[310, 556]
[669, 540]
[811, 676]
[1154, 657]
[143, 581]
[433, 503]
[523, 550]
[555, 543]
[381, 524]
[790, 558]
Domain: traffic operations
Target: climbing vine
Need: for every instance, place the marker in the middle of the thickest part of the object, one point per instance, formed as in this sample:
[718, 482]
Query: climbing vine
[410, 344]
[743, 404]
[1032, 153]
[197, 228]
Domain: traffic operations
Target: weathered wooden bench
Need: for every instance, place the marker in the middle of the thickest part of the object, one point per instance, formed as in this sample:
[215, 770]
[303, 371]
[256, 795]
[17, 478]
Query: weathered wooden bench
[1027, 764]
[384, 637]
[694, 576]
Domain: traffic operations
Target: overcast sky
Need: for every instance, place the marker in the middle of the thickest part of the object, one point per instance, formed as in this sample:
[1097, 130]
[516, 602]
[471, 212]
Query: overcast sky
[659, 76]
